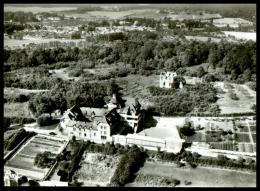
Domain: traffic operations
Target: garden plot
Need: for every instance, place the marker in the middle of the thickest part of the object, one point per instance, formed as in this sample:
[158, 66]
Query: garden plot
[227, 105]
[246, 147]
[254, 137]
[96, 169]
[242, 137]
[23, 161]
[199, 177]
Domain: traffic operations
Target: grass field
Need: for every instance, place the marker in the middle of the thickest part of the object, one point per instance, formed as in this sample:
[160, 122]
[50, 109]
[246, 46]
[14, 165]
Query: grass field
[200, 177]
[227, 105]
[36, 9]
[17, 110]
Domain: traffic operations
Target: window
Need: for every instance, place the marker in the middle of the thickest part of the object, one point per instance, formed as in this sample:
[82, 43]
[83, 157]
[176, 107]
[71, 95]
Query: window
[94, 134]
[103, 137]
[104, 132]
[85, 134]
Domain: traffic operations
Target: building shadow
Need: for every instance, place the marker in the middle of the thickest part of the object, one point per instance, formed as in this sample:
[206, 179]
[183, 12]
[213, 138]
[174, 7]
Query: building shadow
[147, 121]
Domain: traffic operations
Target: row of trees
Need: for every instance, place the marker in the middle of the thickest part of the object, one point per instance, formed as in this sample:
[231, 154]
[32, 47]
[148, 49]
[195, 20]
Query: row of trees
[19, 16]
[128, 166]
[193, 159]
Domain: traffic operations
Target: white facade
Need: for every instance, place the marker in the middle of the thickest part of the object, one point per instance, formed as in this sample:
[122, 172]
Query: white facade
[150, 143]
[167, 79]
[97, 130]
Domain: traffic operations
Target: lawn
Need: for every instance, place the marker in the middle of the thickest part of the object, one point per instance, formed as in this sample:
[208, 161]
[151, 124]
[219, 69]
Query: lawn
[200, 177]
[17, 110]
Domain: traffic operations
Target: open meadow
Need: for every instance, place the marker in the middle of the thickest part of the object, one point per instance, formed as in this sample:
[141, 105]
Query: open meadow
[17, 110]
[199, 177]
[227, 105]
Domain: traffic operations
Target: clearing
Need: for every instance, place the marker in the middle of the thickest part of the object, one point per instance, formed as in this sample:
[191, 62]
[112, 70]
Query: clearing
[246, 99]
[20, 110]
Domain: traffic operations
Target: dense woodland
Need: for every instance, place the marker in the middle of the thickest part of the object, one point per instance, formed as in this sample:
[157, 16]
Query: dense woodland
[237, 60]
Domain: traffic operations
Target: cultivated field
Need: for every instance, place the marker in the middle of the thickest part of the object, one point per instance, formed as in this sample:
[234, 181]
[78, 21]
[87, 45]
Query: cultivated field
[23, 161]
[96, 169]
[199, 177]
[37, 9]
[246, 99]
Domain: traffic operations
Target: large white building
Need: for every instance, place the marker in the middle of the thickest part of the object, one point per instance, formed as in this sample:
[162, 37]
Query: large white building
[167, 79]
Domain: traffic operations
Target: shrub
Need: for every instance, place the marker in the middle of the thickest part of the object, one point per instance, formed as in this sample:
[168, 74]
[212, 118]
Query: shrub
[15, 139]
[128, 166]
[45, 120]
[233, 96]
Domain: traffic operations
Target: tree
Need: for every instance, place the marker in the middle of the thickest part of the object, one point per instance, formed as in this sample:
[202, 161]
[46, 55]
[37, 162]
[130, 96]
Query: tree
[45, 120]
[253, 107]
[200, 72]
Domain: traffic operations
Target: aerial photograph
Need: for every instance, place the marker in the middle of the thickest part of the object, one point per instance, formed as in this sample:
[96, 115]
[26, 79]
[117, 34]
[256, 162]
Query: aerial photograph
[129, 95]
